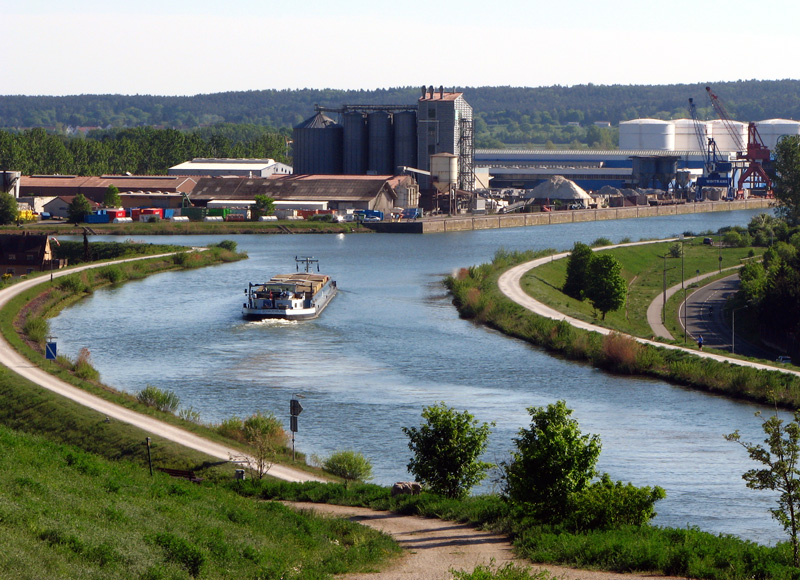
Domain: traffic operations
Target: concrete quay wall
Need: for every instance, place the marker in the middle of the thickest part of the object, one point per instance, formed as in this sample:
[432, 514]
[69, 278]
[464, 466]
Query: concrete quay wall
[484, 222]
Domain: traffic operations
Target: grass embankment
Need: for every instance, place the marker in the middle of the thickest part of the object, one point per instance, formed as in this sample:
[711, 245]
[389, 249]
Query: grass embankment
[686, 552]
[66, 513]
[645, 269]
[477, 297]
[166, 227]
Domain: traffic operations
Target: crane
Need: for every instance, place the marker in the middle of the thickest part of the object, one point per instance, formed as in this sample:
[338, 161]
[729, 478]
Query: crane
[754, 152]
[715, 173]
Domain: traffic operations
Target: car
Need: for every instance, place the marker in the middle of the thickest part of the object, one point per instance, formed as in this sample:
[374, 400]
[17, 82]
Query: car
[708, 241]
[784, 360]
[371, 218]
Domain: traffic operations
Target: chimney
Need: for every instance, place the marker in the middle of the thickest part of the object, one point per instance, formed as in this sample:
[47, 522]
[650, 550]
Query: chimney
[441, 91]
[430, 90]
[424, 90]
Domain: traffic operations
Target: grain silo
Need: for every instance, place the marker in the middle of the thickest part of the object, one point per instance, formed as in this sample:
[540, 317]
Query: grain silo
[773, 129]
[381, 143]
[355, 143]
[647, 134]
[686, 134]
[721, 132]
[405, 139]
[318, 146]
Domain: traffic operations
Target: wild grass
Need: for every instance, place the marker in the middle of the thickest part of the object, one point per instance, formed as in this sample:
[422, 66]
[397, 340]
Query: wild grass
[66, 513]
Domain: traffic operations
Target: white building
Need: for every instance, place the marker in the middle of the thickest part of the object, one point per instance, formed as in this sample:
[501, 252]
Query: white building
[236, 167]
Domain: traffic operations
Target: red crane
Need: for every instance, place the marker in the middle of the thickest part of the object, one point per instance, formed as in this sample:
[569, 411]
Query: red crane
[755, 152]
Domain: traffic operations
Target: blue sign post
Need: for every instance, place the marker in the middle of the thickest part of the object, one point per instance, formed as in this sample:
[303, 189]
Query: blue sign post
[50, 350]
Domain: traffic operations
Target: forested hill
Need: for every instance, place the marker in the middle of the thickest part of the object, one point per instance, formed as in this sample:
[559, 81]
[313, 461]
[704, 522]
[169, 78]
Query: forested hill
[496, 106]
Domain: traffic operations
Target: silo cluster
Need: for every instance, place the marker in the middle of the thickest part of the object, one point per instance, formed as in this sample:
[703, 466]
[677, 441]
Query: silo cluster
[772, 130]
[374, 142]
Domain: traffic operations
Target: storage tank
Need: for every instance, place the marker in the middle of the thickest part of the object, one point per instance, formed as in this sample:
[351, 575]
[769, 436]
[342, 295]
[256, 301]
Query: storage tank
[381, 143]
[773, 129]
[647, 134]
[318, 146]
[355, 143]
[444, 171]
[686, 135]
[405, 139]
[723, 138]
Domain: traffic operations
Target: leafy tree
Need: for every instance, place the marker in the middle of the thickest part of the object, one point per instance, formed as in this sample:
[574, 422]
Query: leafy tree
[577, 269]
[787, 178]
[265, 435]
[112, 198]
[781, 471]
[606, 288]
[79, 209]
[553, 460]
[349, 465]
[446, 449]
[9, 212]
[265, 205]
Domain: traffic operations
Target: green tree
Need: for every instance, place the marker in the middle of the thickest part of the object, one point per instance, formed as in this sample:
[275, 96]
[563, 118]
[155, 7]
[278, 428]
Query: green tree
[447, 447]
[606, 288]
[265, 205]
[111, 197]
[780, 472]
[577, 269]
[553, 460]
[9, 212]
[787, 178]
[79, 209]
[349, 465]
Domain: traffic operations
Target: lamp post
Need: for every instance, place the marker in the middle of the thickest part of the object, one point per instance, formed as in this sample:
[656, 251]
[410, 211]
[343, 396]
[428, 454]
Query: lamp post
[685, 308]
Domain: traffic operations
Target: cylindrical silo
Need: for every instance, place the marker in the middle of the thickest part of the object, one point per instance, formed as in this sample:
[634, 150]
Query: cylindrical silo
[722, 136]
[686, 135]
[405, 139]
[647, 135]
[773, 129]
[444, 171]
[355, 143]
[381, 143]
[318, 146]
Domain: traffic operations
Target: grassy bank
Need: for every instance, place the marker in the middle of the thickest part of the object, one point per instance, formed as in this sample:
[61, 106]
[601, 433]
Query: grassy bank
[477, 297]
[688, 552]
[66, 513]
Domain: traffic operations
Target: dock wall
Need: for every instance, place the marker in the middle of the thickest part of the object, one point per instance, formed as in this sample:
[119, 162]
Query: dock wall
[516, 220]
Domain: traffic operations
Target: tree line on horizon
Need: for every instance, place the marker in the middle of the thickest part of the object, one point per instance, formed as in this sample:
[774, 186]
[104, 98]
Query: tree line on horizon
[504, 116]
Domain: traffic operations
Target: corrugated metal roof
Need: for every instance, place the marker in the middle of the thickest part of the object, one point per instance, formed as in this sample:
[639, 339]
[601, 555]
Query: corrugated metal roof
[318, 121]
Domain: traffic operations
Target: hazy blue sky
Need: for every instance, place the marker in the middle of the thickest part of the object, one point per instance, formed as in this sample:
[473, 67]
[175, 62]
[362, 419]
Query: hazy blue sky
[178, 47]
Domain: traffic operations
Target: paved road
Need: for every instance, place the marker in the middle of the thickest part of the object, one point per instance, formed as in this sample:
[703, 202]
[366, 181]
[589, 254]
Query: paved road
[17, 363]
[509, 284]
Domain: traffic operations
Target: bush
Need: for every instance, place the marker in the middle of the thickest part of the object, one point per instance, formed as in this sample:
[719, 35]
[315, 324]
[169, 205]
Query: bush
[83, 366]
[36, 328]
[113, 274]
[71, 284]
[349, 465]
[162, 400]
[229, 245]
[601, 242]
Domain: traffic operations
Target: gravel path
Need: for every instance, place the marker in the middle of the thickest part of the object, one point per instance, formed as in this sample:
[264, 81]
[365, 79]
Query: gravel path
[435, 547]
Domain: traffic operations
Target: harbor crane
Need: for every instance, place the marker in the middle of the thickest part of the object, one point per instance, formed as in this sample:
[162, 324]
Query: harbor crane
[715, 169]
[754, 152]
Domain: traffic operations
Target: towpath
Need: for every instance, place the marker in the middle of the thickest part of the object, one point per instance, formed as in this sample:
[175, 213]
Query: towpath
[22, 366]
[509, 285]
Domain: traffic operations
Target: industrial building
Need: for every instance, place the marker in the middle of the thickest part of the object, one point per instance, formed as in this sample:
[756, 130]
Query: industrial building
[95, 188]
[239, 167]
[388, 139]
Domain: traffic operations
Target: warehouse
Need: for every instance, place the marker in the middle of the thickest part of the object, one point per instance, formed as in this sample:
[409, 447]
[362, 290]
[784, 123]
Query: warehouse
[208, 167]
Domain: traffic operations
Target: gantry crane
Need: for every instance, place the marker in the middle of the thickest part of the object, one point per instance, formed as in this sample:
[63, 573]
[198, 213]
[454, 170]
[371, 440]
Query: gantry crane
[715, 170]
[754, 152]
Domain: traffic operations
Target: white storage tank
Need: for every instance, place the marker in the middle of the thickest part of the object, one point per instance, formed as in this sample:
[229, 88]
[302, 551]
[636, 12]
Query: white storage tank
[723, 138]
[647, 134]
[686, 134]
[773, 129]
[444, 171]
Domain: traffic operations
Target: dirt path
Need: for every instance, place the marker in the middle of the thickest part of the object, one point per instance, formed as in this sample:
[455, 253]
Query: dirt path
[434, 547]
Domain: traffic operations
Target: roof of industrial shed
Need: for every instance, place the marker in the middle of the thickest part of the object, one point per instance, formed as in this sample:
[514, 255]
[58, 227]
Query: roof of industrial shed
[200, 163]
[298, 187]
[437, 96]
[74, 184]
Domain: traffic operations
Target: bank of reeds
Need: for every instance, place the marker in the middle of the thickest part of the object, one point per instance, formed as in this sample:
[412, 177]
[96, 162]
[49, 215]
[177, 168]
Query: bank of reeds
[477, 297]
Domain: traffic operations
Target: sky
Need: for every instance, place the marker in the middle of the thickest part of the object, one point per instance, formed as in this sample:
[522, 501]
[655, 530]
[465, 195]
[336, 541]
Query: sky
[178, 47]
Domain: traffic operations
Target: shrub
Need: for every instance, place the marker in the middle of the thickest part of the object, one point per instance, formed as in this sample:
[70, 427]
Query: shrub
[621, 352]
[180, 258]
[229, 245]
[600, 242]
[71, 284]
[162, 400]
[349, 465]
[113, 274]
[36, 328]
[83, 366]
